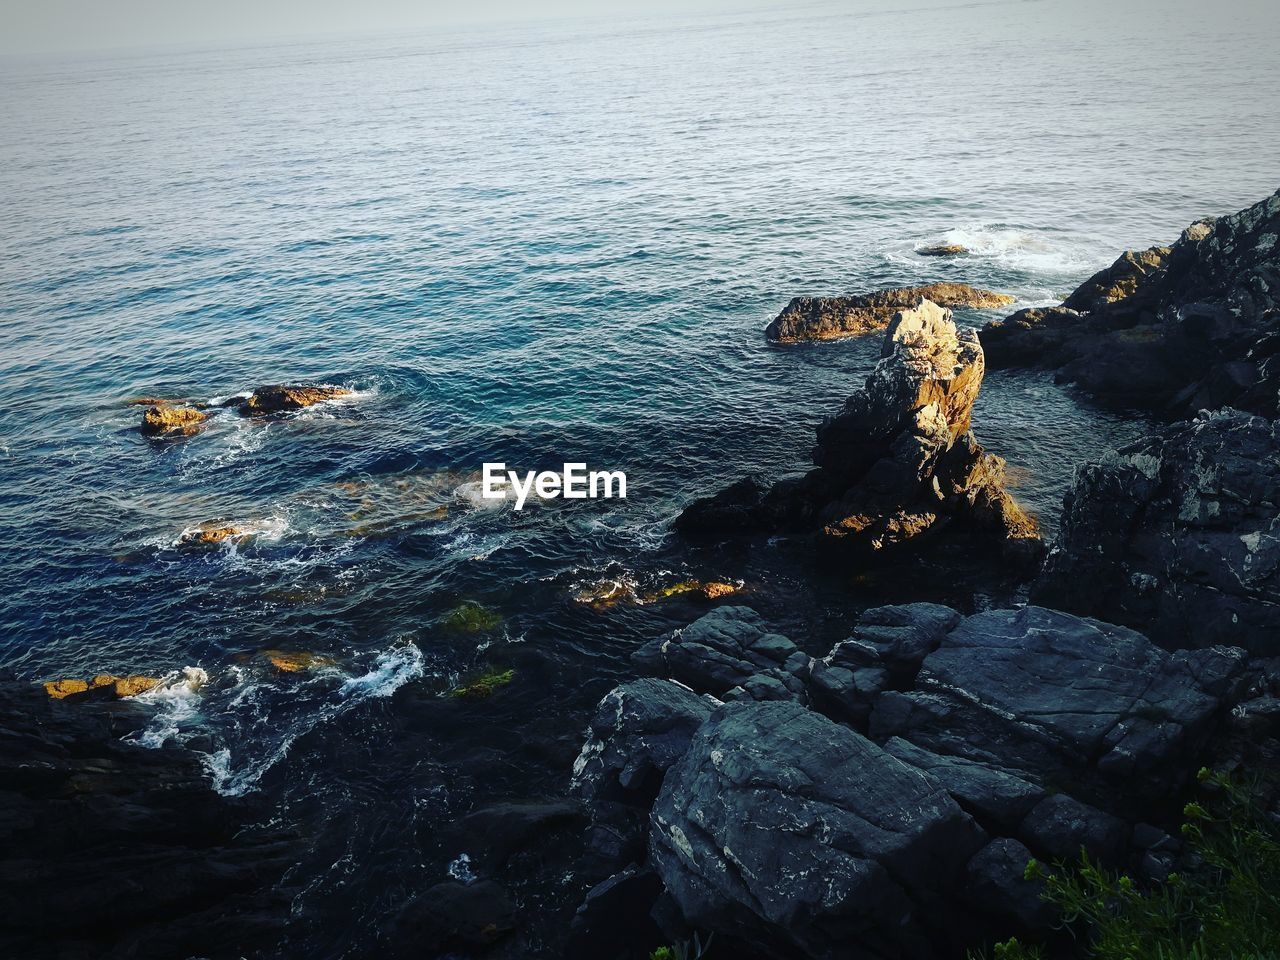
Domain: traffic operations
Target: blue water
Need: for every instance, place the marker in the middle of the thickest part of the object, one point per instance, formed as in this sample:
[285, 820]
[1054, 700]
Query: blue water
[534, 244]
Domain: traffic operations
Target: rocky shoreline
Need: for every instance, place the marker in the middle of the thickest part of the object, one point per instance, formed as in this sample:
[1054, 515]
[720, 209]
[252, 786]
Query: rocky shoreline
[879, 801]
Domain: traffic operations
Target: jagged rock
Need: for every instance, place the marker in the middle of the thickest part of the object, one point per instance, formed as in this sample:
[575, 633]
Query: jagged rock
[211, 534]
[296, 661]
[784, 826]
[1058, 699]
[161, 420]
[887, 647]
[729, 652]
[1186, 327]
[943, 250]
[640, 729]
[280, 398]
[996, 798]
[897, 463]
[826, 318]
[996, 882]
[614, 917]
[1179, 534]
[104, 686]
[111, 850]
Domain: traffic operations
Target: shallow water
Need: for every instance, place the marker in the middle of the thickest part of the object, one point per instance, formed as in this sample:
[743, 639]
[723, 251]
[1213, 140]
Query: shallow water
[538, 244]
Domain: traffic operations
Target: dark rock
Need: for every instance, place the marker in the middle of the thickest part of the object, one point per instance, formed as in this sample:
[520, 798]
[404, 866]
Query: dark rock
[826, 318]
[1065, 700]
[997, 798]
[281, 398]
[997, 883]
[113, 851]
[1059, 827]
[784, 826]
[897, 464]
[1190, 326]
[730, 649]
[1179, 534]
[614, 919]
[501, 830]
[454, 916]
[943, 250]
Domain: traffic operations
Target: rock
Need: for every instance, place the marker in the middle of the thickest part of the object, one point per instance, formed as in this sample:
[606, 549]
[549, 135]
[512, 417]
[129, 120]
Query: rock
[996, 798]
[1179, 534]
[211, 534]
[609, 593]
[114, 851]
[943, 250]
[1194, 325]
[1060, 827]
[996, 882]
[729, 649]
[797, 832]
[886, 648]
[640, 729]
[899, 462]
[1057, 699]
[614, 918]
[826, 318]
[281, 399]
[163, 420]
[296, 661]
[104, 686]
[454, 916]
[499, 831]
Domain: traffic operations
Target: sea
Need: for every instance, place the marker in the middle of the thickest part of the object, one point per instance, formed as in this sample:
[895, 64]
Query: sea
[536, 243]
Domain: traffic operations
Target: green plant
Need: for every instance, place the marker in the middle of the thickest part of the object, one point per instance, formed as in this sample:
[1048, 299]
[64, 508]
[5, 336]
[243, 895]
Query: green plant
[684, 949]
[1225, 904]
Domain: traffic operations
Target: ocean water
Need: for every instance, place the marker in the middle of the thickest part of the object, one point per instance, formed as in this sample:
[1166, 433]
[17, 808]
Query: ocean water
[535, 244]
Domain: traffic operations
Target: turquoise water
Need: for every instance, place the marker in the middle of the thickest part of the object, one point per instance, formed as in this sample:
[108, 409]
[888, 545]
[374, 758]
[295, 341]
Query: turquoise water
[540, 244]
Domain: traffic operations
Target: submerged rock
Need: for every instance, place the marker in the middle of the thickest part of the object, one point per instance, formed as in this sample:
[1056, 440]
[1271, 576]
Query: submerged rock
[944, 250]
[280, 398]
[826, 318]
[212, 534]
[161, 420]
[1178, 534]
[1189, 326]
[779, 823]
[296, 661]
[897, 463]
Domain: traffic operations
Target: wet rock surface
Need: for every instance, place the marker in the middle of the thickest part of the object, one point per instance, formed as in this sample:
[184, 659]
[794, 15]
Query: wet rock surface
[111, 850]
[1178, 534]
[165, 420]
[897, 464]
[827, 318]
[1181, 328]
[281, 398]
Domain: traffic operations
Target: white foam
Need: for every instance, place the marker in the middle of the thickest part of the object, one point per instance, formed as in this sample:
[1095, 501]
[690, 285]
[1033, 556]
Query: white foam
[1023, 249]
[177, 703]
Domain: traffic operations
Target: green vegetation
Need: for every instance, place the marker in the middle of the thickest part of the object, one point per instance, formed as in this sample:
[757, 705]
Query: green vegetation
[1224, 906]
[472, 617]
[693, 949]
[483, 686]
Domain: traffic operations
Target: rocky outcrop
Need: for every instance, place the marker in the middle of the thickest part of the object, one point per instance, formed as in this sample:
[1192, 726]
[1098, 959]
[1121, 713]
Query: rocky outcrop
[1007, 687]
[781, 822]
[110, 850]
[897, 463]
[1178, 534]
[281, 398]
[985, 741]
[943, 250]
[1179, 328]
[828, 318]
[164, 420]
[730, 653]
[104, 686]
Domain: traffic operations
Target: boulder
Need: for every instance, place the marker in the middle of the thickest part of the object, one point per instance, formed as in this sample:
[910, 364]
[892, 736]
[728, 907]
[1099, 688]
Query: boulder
[997, 798]
[943, 250]
[1060, 700]
[104, 686]
[729, 653]
[1180, 328]
[827, 318]
[1179, 534]
[1060, 827]
[996, 882]
[803, 835]
[280, 398]
[897, 464]
[164, 420]
[211, 534]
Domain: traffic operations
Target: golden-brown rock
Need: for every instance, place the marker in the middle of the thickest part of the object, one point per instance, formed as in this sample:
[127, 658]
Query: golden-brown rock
[161, 419]
[103, 686]
[943, 250]
[211, 534]
[296, 661]
[828, 318]
[280, 398]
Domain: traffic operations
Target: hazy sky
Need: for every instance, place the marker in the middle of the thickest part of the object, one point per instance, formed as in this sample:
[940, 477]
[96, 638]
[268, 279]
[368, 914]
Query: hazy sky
[45, 26]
